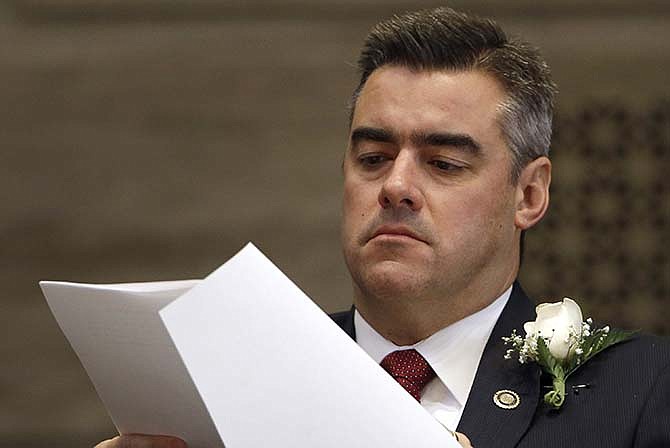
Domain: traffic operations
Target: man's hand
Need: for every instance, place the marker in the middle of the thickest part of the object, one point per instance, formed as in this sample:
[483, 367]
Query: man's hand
[142, 441]
[463, 440]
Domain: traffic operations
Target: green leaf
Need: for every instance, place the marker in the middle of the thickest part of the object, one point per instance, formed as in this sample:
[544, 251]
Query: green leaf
[598, 341]
[604, 340]
[572, 363]
[547, 361]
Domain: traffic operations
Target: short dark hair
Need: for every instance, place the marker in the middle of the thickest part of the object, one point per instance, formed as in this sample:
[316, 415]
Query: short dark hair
[444, 39]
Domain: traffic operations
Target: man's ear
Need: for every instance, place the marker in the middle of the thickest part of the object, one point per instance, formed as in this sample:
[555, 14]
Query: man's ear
[532, 193]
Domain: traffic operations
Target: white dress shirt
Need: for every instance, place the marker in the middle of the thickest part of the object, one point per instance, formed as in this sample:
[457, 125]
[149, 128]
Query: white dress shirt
[453, 353]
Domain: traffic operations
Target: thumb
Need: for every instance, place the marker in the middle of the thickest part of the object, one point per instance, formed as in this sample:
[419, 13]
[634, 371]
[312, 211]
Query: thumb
[463, 440]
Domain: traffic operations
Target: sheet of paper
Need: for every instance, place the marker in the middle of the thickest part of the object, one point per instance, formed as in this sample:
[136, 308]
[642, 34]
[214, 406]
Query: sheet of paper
[122, 343]
[275, 371]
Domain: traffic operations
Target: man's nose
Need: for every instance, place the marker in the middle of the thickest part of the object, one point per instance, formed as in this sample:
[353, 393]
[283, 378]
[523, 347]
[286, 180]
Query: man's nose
[400, 188]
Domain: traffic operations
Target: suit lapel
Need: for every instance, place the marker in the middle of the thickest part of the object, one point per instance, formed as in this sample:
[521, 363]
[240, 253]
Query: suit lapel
[345, 319]
[483, 421]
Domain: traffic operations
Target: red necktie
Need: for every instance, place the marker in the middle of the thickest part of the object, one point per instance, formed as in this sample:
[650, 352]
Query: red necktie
[409, 369]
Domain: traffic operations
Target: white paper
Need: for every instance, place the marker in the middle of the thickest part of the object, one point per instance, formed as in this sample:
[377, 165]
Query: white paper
[243, 356]
[275, 371]
[123, 345]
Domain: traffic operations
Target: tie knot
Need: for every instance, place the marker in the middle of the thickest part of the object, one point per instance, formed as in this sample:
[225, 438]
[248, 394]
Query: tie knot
[409, 369]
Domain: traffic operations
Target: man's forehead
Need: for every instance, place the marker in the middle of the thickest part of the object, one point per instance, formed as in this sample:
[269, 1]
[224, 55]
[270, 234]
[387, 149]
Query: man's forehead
[442, 82]
[429, 100]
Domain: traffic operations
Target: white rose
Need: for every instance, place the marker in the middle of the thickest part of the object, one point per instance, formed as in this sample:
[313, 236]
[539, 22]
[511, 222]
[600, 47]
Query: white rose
[561, 323]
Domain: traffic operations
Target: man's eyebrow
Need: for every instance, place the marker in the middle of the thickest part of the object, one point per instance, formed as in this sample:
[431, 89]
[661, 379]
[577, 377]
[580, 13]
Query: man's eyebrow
[371, 134]
[455, 140]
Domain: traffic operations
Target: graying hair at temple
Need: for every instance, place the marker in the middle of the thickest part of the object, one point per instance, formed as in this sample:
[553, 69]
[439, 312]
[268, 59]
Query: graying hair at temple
[444, 39]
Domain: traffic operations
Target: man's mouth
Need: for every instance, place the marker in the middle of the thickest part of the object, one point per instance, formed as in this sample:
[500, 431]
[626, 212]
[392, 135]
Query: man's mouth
[396, 232]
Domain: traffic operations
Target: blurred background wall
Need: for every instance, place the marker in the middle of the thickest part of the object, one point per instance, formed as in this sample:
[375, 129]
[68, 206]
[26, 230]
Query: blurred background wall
[150, 139]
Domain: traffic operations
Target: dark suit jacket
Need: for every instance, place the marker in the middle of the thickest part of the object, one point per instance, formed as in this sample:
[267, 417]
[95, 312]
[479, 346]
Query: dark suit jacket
[627, 403]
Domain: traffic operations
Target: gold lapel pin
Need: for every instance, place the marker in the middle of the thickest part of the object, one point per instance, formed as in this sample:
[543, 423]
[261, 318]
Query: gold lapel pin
[506, 399]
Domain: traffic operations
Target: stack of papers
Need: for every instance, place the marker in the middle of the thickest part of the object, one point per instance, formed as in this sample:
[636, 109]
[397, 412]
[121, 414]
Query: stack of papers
[242, 358]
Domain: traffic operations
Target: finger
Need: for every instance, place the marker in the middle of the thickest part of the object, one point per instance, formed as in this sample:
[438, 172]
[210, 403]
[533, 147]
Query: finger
[142, 441]
[106, 444]
[463, 440]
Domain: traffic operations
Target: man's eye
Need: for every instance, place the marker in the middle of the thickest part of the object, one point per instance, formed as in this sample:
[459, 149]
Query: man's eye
[372, 159]
[443, 165]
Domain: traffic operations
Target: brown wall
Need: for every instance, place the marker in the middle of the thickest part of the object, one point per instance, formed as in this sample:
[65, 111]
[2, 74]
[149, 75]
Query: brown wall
[146, 140]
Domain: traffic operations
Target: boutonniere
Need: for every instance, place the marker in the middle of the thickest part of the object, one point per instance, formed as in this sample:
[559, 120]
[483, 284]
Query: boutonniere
[560, 342]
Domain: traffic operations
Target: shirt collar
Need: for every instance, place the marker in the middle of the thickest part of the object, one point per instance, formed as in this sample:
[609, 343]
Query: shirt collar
[453, 352]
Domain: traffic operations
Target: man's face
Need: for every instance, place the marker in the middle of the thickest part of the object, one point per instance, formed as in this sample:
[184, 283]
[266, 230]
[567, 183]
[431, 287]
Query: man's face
[428, 205]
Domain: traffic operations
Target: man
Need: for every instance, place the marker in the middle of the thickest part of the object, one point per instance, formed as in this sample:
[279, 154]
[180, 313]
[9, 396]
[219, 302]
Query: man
[446, 168]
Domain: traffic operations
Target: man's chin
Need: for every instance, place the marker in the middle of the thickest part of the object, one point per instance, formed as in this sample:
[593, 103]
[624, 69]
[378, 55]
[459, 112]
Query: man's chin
[391, 278]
